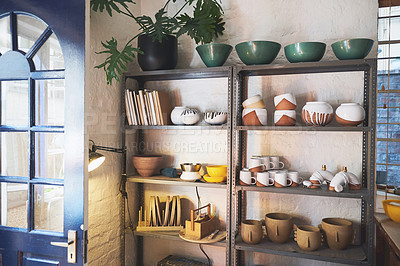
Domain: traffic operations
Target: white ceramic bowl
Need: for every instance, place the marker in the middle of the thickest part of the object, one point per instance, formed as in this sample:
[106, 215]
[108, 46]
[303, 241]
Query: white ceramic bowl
[254, 117]
[285, 118]
[190, 176]
[285, 102]
[190, 116]
[254, 102]
[317, 113]
[215, 118]
[350, 114]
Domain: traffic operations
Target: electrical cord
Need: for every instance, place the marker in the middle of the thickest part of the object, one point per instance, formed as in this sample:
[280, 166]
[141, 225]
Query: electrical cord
[208, 258]
[198, 200]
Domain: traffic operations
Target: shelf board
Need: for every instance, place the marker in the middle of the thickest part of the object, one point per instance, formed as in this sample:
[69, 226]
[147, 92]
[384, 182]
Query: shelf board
[323, 191]
[176, 127]
[303, 128]
[174, 236]
[308, 67]
[352, 255]
[163, 180]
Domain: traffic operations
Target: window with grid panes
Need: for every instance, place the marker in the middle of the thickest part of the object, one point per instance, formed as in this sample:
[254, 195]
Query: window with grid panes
[388, 103]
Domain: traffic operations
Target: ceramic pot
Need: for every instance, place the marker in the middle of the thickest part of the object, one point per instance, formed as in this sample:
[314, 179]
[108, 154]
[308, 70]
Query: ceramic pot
[305, 52]
[251, 231]
[338, 232]
[215, 118]
[147, 165]
[254, 117]
[350, 114]
[190, 116]
[257, 52]
[352, 48]
[285, 102]
[254, 102]
[317, 113]
[285, 118]
[176, 113]
[214, 54]
[308, 237]
[279, 226]
[156, 55]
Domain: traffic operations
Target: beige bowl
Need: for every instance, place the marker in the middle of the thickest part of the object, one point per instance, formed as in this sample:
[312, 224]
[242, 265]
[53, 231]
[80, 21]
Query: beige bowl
[254, 102]
[147, 165]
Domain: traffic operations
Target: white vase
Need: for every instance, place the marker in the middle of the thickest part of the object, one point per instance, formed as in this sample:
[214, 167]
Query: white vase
[176, 113]
[317, 113]
[350, 114]
[190, 116]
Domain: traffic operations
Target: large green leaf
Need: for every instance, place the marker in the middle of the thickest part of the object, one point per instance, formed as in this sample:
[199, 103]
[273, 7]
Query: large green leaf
[109, 5]
[117, 61]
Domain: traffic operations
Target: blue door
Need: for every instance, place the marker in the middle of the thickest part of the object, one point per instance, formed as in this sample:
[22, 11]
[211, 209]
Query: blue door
[42, 140]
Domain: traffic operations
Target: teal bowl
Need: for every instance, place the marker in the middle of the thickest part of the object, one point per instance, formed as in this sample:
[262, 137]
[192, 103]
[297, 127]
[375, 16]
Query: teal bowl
[305, 52]
[214, 54]
[352, 48]
[257, 52]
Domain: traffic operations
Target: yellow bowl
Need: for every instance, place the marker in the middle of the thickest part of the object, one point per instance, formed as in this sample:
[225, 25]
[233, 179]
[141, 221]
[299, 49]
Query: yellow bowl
[392, 210]
[213, 179]
[217, 170]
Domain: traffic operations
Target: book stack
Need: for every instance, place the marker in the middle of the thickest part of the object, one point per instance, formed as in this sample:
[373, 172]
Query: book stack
[147, 108]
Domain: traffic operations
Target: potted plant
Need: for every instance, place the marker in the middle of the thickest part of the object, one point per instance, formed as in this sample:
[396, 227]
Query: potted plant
[157, 38]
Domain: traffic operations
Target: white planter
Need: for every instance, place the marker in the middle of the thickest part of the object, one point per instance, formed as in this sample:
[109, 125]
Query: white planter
[317, 113]
[176, 115]
[350, 114]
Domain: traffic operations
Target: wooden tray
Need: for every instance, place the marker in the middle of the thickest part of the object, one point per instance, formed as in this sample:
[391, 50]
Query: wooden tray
[218, 237]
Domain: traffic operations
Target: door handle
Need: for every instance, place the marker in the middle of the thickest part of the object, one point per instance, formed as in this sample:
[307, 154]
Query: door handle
[71, 245]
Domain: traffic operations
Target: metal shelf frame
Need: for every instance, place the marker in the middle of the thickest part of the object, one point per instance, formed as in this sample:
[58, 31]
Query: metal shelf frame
[240, 133]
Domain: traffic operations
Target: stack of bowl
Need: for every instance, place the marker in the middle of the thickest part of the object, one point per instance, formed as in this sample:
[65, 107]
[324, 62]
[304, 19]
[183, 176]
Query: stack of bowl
[254, 112]
[285, 114]
[216, 173]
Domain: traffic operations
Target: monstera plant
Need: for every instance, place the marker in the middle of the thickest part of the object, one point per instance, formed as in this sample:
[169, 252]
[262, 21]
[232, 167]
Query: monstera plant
[202, 26]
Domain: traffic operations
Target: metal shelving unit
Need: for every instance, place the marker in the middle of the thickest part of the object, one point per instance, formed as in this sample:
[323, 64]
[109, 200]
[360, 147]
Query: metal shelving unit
[178, 74]
[355, 255]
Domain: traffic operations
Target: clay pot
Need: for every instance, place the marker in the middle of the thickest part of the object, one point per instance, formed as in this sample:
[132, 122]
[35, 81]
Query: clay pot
[176, 113]
[279, 226]
[254, 102]
[190, 116]
[350, 114]
[251, 231]
[147, 165]
[285, 102]
[308, 237]
[285, 118]
[317, 113]
[254, 117]
[338, 232]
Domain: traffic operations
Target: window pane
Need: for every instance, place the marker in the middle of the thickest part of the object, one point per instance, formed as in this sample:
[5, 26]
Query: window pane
[14, 153]
[50, 102]
[382, 99]
[5, 35]
[381, 131]
[14, 198]
[394, 115]
[49, 155]
[383, 50]
[394, 152]
[393, 175]
[381, 149]
[29, 30]
[388, 131]
[49, 56]
[14, 103]
[382, 115]
[49, 207]
[383, 29]
[383, 66]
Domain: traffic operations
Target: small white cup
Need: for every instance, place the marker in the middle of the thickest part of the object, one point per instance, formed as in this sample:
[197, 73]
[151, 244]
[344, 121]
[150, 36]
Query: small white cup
[272, 173]
[282, 180]
[278, 164]
[267, 162]
[256, 164]
[263, 179]
[246, 179]
[296, 179]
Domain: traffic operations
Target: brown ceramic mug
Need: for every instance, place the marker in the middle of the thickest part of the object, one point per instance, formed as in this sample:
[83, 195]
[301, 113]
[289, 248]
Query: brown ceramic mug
[308, 237]
[251, 231]
[338, 232]
[279, 226]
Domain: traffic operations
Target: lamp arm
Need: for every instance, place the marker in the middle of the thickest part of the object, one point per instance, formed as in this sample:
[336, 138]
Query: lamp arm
[103, 148]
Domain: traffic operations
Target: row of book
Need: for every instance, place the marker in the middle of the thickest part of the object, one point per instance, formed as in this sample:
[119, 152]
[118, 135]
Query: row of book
[147, 108]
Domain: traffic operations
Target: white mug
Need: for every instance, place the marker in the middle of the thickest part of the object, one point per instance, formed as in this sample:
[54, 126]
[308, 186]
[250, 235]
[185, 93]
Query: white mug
[282, 180]
[246, 178]
[256, 164]
[277, 163]
[272, 173]
[296, 179]
[267, 162]
[263, 179]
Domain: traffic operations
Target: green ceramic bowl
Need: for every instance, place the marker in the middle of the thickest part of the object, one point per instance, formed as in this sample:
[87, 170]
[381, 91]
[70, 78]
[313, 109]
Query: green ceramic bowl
[305, 52]
[352, 48]
[214, 54]
[257, 52]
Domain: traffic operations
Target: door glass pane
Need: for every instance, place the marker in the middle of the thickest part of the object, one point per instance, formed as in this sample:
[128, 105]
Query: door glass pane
[14, 198]
[5, 36]
[14, 103]
[14, 153]
[29, 30]
[49, 155]
[49, 207]
[50, 102]
[49, 56]
[383, 29]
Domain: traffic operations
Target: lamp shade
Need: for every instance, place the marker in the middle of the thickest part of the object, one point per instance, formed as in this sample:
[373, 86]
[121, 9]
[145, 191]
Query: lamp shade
[95, 160]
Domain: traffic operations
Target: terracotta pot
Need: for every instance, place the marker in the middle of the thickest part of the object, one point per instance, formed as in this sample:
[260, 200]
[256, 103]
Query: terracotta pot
[285, 102]
[338, 232]
[308, 237]
[317, 113]
[251, 231]
[285, 118]
[147, 165]
[350, 114]
[279, 226]
[254, 117]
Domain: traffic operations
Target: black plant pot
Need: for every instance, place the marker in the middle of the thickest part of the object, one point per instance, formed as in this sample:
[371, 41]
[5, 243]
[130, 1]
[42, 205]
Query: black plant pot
[157, 56]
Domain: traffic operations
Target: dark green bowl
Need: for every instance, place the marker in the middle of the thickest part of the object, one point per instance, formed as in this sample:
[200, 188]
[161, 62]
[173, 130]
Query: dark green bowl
[352, 48]
[257, 52]
[214, 54]
[305, 52]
